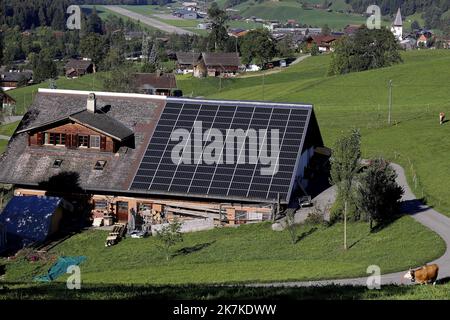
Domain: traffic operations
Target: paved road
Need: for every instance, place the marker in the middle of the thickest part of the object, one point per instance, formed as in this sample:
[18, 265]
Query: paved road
[421, 213]
[273, 71]
[148, 21]
[2, 137]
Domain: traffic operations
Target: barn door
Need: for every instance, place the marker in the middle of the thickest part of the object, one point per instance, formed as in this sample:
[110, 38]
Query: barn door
[122, 211]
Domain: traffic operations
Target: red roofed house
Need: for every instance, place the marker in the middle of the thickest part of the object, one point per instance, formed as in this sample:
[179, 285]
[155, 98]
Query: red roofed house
[324, 43]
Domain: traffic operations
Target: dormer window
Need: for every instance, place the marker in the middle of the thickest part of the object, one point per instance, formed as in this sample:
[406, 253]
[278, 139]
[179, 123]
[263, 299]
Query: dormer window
[100, 164]
[57, 163]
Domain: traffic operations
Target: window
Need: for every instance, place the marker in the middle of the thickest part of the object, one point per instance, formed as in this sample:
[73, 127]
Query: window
[83, 141]
[55, 138]
[95, 142]
[240, 216]
[101, 205]
[100, 164]
[57, 163]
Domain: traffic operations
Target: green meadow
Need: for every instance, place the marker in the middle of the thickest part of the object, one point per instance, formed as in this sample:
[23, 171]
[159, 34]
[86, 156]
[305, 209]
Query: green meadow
[249, 253]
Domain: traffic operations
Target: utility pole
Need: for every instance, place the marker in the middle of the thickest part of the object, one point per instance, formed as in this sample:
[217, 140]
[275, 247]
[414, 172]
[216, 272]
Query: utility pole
[264, 80]
[390, 101]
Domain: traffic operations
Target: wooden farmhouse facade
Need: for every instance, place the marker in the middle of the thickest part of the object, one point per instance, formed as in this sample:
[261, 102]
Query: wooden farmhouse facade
[111, 155]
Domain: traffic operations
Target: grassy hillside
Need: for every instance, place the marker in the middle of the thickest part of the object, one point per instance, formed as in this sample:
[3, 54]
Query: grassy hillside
[360, 100]
[250, 253]
[292, 10]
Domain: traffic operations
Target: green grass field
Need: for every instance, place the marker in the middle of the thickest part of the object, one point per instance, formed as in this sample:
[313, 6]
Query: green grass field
[58, 291]
[360, 100]
[292, 10]
[250, 253]
[25, 95]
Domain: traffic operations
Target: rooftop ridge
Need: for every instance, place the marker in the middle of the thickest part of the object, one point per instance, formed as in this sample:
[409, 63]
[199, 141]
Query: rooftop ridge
[103, 93]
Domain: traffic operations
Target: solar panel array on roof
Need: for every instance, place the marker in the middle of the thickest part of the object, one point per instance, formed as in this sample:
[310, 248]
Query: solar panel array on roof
[235, 177]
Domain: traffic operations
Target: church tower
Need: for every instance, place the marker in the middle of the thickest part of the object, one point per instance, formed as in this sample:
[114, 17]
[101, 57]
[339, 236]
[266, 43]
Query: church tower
[397, 26]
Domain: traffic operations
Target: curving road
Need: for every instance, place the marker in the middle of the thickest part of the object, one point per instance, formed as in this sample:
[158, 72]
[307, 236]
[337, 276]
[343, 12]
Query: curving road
[148, 21]
[430, 218]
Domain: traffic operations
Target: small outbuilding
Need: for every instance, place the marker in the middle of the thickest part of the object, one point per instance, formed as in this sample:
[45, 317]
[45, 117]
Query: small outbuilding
[29, 219]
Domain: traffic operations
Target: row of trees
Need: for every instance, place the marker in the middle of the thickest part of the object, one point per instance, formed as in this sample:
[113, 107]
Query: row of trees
[367, 49]
[369, 194]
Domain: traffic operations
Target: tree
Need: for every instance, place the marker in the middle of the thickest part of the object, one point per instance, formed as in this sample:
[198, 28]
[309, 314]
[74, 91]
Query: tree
[218, 34]
[315, 50]
[378, 194]
[257, 46]
[43, 67]
[284, 47]
[415, 25]
[367, 49]
[1, 48]
[168, 236]
[344, 167]
[326, 30]
[113, 59]
[290, 226]
[94, 23]
[91, 46]
[120, 79]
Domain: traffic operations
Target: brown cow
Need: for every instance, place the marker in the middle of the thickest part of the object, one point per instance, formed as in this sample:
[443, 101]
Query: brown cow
[426, 274]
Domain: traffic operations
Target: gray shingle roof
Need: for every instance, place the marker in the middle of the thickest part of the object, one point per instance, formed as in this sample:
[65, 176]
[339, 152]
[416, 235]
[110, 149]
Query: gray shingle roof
[221, 59]
[187, 57]
[103, 123]
[28, 165]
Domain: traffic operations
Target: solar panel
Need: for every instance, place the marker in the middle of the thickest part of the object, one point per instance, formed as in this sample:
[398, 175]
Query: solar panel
[230, 150]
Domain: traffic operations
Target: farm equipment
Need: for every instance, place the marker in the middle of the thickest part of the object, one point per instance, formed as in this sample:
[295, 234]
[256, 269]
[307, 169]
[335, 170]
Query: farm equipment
[117, 233]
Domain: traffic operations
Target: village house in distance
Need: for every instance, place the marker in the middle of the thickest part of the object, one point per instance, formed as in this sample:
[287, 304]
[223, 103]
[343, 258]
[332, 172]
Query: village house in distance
[113, 152]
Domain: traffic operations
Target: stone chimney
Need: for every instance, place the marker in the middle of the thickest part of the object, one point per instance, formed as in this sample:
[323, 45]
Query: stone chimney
[91, 103]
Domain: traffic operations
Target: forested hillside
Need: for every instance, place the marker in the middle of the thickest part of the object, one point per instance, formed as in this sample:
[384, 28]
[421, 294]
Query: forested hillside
[28, 14]
[434, 11]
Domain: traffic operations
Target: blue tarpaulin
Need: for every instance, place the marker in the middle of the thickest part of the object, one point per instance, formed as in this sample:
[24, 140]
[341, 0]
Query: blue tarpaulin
[29, 219]
[60, 268]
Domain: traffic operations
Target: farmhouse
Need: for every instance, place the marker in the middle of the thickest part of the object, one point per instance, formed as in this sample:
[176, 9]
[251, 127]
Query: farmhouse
[13, 79]
[77, 68]
[213, 64]
[157, 83]
[324, 43]
[186, 61]
[122, 154]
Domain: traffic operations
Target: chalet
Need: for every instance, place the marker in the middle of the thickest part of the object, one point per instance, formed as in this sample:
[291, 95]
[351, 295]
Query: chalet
[323, 42]
[186, 61]
[77, 68]
[13, 79]
[157, 83]
[213, 64]
[112, 154]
